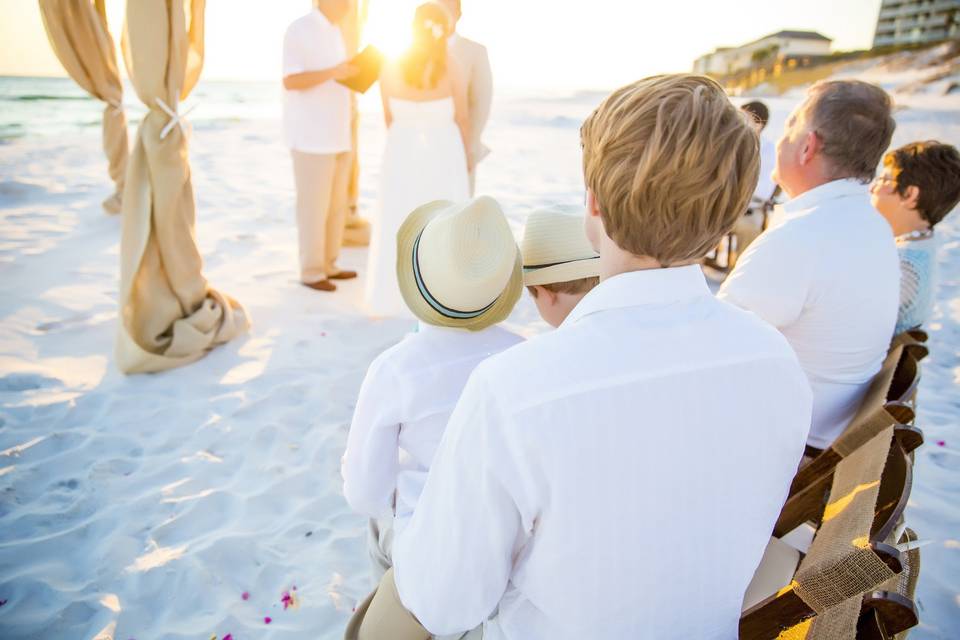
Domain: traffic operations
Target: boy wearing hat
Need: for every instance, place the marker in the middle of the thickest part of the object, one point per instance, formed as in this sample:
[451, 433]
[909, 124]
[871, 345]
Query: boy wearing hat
[559, 265]
[459, 272]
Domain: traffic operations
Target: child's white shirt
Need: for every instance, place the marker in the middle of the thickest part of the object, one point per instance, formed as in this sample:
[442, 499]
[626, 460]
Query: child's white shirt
[405, 401]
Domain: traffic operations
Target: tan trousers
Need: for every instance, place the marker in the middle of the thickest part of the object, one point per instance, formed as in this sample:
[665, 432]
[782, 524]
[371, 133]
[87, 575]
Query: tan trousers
[381, 616]
[322, 182]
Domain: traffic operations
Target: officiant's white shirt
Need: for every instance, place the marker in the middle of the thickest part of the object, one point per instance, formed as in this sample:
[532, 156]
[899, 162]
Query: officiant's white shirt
[405, 401]
[827, 275]
[315, 120]
[595, 481]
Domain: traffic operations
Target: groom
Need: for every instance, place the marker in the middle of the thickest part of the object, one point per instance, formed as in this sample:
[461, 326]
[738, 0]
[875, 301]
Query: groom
[473, 61]
[316, 117]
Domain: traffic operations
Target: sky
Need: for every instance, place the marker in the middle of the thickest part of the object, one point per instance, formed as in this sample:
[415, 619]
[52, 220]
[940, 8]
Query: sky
[586, 44]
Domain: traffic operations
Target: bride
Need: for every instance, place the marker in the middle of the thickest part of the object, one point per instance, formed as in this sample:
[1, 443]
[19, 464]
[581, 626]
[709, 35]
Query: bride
[425, 108]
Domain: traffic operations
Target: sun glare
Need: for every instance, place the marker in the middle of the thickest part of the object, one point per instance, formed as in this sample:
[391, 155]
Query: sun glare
[388, 25]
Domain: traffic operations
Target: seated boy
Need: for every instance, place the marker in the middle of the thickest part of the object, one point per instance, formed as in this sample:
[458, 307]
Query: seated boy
[559, 265]
[586, 486]
[460, 277]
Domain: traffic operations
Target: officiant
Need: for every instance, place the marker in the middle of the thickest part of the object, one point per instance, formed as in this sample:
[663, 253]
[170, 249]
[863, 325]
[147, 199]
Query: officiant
[317, 130]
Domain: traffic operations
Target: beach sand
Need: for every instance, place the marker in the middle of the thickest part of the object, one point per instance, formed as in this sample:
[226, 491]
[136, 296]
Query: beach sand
[145, 507]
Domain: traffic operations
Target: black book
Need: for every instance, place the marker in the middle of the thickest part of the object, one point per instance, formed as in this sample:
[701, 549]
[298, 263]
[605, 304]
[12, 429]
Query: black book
[368, 62]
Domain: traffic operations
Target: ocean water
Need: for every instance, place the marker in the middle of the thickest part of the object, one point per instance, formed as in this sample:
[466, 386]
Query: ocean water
[57, 106]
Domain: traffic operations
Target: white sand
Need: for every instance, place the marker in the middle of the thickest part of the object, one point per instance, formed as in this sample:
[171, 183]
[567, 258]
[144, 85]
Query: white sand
[144, 507]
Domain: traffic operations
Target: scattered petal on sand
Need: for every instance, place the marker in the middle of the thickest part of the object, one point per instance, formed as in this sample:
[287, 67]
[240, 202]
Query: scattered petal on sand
[245, 595]
[229, 636]
[267, 620]
[289, 599]
[941, 443]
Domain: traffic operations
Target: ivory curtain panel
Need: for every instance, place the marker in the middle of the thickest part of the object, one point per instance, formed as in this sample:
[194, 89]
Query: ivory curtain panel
[78, 33]
[169, 314]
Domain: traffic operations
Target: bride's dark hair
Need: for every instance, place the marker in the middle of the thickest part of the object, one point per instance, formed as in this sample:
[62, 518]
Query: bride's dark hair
[428, 52]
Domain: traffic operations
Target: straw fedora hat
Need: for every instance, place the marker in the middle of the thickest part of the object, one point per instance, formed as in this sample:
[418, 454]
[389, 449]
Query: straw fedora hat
[458, 264]
[555, 248]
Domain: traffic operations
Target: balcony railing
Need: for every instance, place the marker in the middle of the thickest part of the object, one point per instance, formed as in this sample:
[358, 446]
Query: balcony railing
[912, 8]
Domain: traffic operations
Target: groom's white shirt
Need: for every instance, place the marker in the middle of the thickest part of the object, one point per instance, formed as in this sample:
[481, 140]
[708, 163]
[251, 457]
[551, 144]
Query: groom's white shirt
[593, 478]
[315, 120]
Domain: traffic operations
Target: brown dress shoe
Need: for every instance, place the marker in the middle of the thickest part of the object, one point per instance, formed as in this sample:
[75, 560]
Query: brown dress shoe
[343, 275]
[321, 285]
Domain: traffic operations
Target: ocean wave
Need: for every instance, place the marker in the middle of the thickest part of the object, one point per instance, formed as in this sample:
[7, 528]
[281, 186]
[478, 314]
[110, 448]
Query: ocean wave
[41, 97]
[553, 122]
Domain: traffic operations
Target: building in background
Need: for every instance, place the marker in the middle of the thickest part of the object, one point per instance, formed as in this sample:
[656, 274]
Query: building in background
[785, 48]
[917, 22]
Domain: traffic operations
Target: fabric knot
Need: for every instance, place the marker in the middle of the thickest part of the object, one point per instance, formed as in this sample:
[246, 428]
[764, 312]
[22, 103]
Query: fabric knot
[176, 119]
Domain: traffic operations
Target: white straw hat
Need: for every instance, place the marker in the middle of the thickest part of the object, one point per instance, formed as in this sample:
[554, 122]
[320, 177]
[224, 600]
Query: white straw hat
[555, 249]
[458, 264]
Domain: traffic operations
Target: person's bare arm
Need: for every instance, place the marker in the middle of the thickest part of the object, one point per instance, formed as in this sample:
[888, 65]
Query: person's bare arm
[482, 92]
[461, 108]
[385, 96]
[310, 79]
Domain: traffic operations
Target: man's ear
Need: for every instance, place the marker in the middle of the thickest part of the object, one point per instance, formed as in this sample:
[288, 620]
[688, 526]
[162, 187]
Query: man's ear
[912, 197]
[812, 145]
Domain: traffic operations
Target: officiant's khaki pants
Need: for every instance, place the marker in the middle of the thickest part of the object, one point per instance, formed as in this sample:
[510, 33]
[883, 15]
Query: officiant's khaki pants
[322, 181]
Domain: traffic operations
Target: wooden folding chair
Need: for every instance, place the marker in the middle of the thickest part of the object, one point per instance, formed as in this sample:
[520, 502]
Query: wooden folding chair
[889, 612]
[880, 408]
[848, 557]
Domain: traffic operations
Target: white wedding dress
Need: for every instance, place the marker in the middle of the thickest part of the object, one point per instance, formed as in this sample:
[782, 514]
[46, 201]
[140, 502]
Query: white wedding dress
[424, 160]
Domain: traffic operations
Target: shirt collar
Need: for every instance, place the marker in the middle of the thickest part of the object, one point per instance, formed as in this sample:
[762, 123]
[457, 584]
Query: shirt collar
[642, 288]
[807, 201]
[425, 327]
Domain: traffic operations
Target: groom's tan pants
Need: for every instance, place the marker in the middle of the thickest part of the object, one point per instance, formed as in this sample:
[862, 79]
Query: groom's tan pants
[322, 181]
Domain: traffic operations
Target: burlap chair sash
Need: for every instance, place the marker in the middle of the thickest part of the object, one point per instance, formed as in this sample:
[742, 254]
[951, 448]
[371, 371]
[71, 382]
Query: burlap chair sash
[840, 565]
[825, 587]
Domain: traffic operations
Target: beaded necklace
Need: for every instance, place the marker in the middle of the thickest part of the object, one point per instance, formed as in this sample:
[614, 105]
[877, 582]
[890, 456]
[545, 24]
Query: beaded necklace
[918, 234]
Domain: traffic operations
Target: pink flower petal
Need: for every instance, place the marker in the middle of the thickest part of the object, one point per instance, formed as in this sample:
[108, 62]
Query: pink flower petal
[229, 636]
[245, 595]
[941, 443]
[267, 620]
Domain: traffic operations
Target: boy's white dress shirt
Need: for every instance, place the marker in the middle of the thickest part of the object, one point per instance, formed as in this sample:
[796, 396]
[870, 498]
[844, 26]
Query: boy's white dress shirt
[404, 404]
[827, 275]
[616, 478]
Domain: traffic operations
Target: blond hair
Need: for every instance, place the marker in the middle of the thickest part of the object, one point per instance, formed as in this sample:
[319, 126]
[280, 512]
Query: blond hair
[672, 164]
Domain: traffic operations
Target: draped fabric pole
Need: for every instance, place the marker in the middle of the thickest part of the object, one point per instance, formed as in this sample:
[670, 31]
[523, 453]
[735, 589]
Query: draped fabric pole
[78, 33]
[357, 232]
[169, 314]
